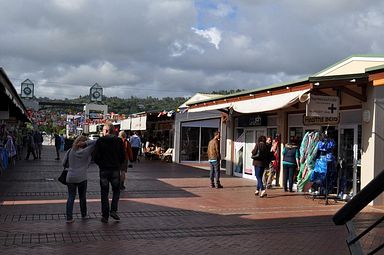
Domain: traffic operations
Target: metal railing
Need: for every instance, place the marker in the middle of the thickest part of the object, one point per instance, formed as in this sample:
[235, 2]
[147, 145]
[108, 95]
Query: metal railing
[345, 215]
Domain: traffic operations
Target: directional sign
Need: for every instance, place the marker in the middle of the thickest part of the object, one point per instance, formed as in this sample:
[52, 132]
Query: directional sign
[323, 106]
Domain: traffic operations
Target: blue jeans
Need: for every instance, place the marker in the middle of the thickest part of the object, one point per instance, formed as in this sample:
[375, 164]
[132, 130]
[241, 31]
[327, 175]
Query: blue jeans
[106, 177]
[259, 171]
[215, 171]
[288, 174]
[82, 188]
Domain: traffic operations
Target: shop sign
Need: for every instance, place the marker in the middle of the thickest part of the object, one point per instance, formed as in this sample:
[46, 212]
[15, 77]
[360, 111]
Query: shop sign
[323, 106]
[252, 121]
[316, 120]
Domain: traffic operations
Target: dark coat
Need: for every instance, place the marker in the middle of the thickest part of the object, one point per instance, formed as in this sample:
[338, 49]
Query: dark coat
[263, 161]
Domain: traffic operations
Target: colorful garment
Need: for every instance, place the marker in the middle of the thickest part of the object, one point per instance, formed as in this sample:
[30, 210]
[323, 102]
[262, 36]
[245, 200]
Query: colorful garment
[308, 152]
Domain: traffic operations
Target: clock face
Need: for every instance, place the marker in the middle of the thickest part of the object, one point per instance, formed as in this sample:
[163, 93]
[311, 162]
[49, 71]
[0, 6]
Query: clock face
[96, 94]
[27, 91]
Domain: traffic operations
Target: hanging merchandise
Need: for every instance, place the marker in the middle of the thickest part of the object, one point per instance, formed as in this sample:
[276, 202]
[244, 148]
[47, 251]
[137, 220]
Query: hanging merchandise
[308, 154]
[324, 172]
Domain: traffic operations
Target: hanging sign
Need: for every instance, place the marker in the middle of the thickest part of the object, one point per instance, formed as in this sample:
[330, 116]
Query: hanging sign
[316, 120]
[323, 106]
[252, 121]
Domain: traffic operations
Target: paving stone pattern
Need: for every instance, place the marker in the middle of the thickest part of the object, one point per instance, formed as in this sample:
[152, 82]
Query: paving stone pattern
[166, 209]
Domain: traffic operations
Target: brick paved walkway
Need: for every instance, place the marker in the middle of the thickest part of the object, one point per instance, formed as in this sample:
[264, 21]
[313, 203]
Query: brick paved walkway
[166, 209]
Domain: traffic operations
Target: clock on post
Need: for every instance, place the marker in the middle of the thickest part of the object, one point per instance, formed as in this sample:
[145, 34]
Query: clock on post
[27, 89]
[96, 93]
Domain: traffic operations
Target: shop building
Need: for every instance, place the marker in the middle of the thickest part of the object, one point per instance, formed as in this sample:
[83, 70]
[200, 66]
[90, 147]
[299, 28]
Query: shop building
[345, 100]
[12, 110]
[193, 130]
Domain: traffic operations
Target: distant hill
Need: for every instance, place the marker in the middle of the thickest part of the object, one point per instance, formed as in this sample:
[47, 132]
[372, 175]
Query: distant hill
[134, 104]
[127, 105]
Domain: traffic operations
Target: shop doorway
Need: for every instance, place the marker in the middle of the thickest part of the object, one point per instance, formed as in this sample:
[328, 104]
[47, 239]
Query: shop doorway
[349, 159]
[243, 166]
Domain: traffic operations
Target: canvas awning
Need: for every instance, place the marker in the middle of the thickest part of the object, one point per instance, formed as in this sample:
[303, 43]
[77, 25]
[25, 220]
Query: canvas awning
[211, 107]
[268, 103]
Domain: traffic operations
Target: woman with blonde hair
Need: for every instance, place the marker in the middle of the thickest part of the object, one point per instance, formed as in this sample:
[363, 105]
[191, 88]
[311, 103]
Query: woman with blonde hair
[77, 160]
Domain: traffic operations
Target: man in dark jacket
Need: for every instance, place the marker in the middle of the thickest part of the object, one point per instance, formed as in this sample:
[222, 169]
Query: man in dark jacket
[109, 155]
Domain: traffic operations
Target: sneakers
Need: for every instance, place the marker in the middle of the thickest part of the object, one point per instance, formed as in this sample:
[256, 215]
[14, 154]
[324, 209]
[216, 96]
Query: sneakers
[219, 186]
[213, 185]
[256, 192]
[263, 193]
[104, 220]
[114, 216]
[70, 221]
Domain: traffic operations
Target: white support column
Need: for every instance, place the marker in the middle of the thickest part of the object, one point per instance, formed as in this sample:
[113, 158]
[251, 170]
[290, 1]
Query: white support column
[229, 144]
[372, 160]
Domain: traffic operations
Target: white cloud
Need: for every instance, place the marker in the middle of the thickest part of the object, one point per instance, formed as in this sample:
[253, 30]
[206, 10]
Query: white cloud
[146, 47]
[178, 49]
[212, 34]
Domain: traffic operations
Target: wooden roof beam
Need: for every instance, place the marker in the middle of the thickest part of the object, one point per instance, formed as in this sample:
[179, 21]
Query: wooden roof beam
[361, 97]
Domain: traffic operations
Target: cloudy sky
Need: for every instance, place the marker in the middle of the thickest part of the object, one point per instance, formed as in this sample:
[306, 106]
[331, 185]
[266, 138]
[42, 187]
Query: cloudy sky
[179, 47]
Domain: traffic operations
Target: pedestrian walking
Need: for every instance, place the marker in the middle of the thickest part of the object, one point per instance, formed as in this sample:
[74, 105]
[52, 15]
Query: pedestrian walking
[214, 158]
[11, 148]
[291, 157]
[260, 158]
[30, 143]
[109, 155]
[128, 158]
[78, 159]
[269, 171]
[57, 145]
[136, 145]
[62, 142]
[19, 144]
[38, 138]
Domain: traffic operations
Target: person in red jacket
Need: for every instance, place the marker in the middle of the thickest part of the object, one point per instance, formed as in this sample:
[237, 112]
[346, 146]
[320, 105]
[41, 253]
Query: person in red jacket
[128, 158]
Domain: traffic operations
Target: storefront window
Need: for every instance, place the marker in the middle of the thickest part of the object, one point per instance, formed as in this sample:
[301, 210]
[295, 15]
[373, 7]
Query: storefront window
[272, 132]
[194, 143]
[295, 132]
[190, 144]
[239, 150]
[206, 136]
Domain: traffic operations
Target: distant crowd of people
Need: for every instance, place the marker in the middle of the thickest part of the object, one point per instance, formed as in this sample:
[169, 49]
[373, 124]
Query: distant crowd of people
[13, 143]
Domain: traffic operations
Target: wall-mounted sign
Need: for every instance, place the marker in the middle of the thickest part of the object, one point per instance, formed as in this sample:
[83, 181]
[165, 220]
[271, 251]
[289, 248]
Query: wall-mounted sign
[252, 121]
[323, 106]
[316, 120]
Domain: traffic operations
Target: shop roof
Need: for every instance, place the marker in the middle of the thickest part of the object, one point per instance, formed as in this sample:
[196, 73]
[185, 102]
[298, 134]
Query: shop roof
[357, 65]
[375, 68]
[14, 96]
[352, 65]
[247, 92]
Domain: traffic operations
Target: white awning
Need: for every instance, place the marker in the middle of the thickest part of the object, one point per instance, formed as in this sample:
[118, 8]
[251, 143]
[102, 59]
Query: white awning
[268, 103]
[211, 107]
